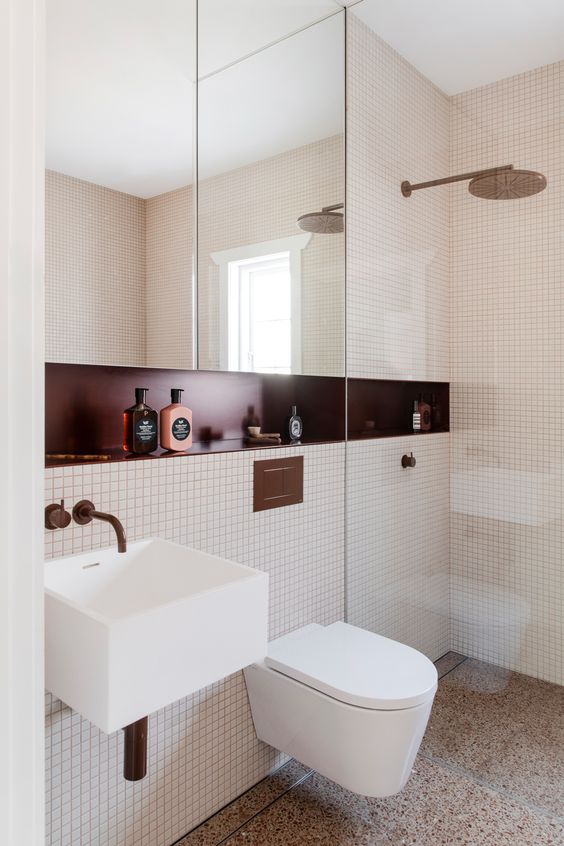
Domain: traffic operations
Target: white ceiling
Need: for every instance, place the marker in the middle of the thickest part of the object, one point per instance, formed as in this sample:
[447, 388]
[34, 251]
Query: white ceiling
[119, 92]
[232, 29]
[462, 45]
[120, 75]
[276, 100]
[120, 86]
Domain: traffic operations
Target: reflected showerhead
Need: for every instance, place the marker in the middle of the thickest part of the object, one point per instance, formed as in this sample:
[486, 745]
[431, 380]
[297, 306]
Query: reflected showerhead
[507, 185]
[326, 222]
[496, 183]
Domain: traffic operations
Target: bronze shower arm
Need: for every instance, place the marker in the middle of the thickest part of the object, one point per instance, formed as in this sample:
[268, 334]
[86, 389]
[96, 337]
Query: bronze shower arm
[407, 187]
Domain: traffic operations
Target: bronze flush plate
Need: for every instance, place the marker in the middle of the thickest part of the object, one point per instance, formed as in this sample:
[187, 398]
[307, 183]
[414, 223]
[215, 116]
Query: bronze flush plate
[278, 482]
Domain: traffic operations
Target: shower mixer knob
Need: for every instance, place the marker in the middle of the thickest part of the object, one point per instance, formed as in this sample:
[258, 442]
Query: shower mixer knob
[56, 517]
[408, 461]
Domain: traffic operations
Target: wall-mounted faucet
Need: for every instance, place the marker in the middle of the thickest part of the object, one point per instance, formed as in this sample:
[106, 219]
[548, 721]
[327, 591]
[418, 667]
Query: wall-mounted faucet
[85, 511]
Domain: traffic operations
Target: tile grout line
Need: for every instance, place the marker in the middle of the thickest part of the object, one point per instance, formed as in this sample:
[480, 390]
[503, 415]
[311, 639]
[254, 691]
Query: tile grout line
[244, 824]
[229, 804]
[481, 782]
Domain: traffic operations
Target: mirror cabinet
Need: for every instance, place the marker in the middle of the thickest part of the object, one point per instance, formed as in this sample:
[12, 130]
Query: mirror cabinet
[195, 186]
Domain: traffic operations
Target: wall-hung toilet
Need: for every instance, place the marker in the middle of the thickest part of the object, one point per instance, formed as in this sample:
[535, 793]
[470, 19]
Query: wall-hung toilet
[351, 704]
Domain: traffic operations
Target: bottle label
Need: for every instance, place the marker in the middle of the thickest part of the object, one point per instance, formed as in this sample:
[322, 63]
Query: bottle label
[145, 430]
[295, 428]
[181, 428]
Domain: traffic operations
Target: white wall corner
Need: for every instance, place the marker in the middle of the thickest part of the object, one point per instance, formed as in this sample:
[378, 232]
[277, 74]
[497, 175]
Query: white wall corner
[21, 388]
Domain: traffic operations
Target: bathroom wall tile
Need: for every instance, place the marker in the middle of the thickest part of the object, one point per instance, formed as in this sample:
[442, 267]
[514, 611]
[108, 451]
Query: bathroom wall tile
[94, 266]
[507, 372]
[203, 751]
[397, 248]
[397, 569]
[397, 328]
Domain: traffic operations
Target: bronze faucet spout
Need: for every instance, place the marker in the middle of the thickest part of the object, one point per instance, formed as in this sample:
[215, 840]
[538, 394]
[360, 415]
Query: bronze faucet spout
[85, 511]
[116, 525]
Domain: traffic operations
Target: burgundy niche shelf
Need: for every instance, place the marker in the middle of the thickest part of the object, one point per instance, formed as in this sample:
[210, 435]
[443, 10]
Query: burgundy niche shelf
[84, 406]
[382, 408]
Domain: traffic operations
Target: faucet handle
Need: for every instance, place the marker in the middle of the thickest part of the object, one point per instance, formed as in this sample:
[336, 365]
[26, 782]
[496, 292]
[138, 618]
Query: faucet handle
[82, 512]
[408, 461]
[56, 517]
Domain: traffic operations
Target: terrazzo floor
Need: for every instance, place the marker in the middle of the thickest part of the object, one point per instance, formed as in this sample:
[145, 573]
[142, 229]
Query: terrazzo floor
[490, 772]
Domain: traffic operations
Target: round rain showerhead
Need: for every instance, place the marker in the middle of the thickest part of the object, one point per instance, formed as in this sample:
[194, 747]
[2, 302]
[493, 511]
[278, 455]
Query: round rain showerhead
[325, 222]
[495, 183]
[507, 185]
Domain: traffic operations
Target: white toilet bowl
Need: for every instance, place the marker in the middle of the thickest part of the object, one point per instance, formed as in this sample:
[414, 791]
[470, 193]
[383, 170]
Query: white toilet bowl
[351, 704]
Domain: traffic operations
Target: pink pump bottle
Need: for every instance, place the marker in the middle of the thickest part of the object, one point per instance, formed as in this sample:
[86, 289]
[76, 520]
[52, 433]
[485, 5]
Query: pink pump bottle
[176, 424]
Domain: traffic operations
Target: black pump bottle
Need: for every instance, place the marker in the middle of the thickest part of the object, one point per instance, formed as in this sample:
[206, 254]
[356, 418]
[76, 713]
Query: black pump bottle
[140, 426]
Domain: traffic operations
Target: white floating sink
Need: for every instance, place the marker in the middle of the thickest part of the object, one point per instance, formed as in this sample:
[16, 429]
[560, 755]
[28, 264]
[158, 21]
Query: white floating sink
[127, 634]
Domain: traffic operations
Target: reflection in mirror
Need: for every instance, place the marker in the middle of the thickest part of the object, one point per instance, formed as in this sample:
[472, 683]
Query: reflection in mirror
[119, 208]
[270, 154]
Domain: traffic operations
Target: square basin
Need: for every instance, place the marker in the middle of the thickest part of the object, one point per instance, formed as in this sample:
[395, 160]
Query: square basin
[129, 633]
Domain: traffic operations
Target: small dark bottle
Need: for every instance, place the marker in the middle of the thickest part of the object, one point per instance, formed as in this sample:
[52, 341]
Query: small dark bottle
[425, 412]
[295, 426]
[250, 419]
[140, 426]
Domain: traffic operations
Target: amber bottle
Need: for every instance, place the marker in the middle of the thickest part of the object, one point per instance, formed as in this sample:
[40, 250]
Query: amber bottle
[425, 412]
[140, 426]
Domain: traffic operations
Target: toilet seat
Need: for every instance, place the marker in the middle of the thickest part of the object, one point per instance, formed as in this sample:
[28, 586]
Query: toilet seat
[355, 666]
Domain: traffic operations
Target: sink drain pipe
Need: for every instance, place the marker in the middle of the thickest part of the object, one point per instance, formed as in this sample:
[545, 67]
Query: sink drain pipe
[135, 750]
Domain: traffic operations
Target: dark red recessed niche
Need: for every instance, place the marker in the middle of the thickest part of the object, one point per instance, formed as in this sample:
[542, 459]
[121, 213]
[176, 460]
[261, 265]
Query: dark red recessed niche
[380, 408]
[84, 406]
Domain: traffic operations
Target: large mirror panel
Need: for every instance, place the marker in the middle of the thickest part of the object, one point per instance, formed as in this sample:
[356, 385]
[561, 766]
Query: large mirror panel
[271, 189]
[119, 198]
[121, 275]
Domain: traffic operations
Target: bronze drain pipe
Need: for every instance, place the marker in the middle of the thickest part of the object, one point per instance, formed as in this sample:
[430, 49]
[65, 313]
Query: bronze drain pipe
[135, 750]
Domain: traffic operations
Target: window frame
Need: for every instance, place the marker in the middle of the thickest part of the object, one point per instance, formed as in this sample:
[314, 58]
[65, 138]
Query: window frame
[229, 343]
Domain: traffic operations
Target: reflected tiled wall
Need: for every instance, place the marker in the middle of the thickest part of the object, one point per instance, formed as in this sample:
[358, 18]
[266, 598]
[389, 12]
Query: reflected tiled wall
[203, 750]
[94, 267]
[507, 372]
[262, 202]
[397, 248]
[109, 253]
[397, 540]
[169, 272]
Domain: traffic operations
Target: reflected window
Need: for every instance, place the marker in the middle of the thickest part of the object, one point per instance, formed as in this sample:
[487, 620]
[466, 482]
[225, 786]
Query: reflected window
[260, 314]
[260, 306]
